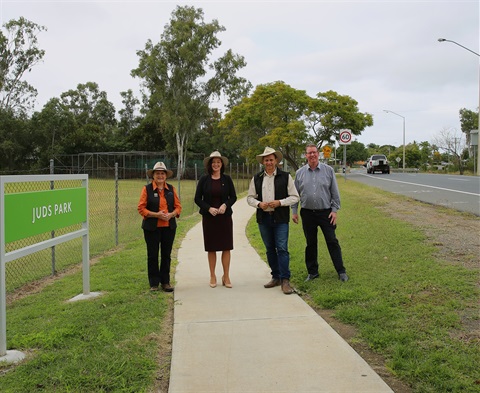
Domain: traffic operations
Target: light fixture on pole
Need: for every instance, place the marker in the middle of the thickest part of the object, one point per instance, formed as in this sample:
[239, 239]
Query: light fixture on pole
[403, 117]
[475, 53]
[456, 43]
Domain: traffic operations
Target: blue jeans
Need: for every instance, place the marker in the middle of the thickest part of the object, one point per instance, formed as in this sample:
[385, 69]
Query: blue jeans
[275, 238]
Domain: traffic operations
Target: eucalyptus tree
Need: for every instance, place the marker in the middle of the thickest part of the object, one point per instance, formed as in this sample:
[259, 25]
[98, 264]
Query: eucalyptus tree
[80, 120]
[129, 115]
[19, 53]
[95, 122]
[180, 79]
[453, 144]
[356, 151]
[16, 145]
[271, 116]
[56, 127]
[468, 122]
[331, 112]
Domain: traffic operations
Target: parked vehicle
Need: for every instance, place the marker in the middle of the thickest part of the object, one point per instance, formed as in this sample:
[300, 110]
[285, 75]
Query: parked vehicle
[377, 163]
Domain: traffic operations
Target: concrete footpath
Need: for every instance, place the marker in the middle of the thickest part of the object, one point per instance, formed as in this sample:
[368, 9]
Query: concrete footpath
[251, 339]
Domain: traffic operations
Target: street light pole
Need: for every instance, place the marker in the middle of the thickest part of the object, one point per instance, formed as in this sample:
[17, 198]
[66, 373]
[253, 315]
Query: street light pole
[403, 117]
[456, 43]
[475, 53]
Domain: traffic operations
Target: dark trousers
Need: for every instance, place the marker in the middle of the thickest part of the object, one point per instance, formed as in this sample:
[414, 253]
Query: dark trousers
[311, 220]
[161, 240]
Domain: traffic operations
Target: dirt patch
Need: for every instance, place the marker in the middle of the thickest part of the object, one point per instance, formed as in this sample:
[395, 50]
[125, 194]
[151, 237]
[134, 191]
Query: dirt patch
[164, 342]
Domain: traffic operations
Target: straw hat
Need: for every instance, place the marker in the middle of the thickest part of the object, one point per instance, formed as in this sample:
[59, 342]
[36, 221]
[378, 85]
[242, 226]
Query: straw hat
[267, 152]
[159, 166]
[215, 154]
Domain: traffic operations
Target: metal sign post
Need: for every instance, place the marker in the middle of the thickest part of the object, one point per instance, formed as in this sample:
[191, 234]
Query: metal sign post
[345, 138]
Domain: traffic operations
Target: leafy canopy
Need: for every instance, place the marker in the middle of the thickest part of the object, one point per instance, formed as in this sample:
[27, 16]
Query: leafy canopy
[180, 78]
[19, 53]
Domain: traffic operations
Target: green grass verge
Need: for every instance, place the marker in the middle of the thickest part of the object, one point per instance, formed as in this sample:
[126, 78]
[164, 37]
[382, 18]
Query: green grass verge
[107, 344]
[405, 304]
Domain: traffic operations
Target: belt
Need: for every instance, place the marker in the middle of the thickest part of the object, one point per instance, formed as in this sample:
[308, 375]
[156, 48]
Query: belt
[316, 210]
[269, 212]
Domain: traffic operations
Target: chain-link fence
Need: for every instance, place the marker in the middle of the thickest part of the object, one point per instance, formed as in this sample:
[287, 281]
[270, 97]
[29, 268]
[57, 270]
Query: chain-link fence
[113, 196]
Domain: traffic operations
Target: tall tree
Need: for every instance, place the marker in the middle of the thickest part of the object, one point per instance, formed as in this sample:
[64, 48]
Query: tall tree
[19, 53]
[331, 112]
[468, 122]
[16, 146]
[356, 151]
[182, 79]
[129, 117]
[94, 117]
[272, 116]
[57, 127]
[453, 143]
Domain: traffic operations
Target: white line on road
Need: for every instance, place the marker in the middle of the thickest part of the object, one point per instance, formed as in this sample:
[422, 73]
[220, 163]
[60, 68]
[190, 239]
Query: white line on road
[421, 185]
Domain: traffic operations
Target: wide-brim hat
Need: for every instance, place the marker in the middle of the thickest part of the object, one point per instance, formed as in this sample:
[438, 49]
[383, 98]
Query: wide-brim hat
[215, 154]
[267, 152]
[159, 166]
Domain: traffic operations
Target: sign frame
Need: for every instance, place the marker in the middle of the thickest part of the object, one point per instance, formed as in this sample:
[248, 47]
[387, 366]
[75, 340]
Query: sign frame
[10, 256]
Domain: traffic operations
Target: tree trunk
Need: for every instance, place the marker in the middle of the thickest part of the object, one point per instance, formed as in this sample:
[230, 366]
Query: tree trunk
[181, 142]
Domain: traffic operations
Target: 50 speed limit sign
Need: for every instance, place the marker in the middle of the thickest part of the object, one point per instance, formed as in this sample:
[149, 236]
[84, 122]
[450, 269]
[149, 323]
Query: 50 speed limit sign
[345, 137]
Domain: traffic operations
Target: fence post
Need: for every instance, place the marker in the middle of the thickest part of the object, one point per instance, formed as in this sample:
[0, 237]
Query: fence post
[52, 186]
[116, 204]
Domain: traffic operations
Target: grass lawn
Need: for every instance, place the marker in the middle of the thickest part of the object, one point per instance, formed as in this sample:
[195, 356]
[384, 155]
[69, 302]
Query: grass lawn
[405, 304]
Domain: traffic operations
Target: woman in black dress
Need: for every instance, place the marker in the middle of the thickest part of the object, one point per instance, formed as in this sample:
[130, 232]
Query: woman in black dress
[215, 196]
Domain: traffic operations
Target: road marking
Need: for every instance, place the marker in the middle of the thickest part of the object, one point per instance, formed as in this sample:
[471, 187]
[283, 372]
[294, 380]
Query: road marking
[421, 185]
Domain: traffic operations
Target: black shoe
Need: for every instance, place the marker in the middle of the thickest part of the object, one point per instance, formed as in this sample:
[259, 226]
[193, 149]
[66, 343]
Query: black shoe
[343, 277]
[167, 287]
[311, 277]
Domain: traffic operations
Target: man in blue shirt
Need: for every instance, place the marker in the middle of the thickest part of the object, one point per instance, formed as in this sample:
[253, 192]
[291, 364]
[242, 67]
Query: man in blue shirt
[320, 201]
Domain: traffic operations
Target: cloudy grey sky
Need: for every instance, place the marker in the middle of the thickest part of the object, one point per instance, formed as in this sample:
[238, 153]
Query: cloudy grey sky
[384, 54]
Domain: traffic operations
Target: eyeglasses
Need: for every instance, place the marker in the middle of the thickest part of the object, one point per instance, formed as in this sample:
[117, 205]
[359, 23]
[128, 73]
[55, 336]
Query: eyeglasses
[311, 153]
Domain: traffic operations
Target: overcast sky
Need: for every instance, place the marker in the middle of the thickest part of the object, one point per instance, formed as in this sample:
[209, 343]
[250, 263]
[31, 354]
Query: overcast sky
[384, 54]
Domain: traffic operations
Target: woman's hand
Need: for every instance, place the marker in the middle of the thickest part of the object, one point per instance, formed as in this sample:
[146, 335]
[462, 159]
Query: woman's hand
[222, 209]
[165, 216]
[213, 211]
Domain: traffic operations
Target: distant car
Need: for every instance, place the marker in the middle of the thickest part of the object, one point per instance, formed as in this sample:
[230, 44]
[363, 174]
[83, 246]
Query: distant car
[377, 163]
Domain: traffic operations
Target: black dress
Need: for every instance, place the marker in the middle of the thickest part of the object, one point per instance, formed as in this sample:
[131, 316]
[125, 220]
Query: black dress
[217, 230]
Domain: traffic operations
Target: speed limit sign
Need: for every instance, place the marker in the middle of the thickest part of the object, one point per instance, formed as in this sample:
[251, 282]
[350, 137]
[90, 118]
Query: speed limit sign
[345, 137]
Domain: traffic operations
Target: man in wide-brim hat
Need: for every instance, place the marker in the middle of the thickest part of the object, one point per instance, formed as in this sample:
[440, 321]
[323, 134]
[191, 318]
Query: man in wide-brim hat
[215, 154]
[272, 192]
[159, 166]
[267, 152]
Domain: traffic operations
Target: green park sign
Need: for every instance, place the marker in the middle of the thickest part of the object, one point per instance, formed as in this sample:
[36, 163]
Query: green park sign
[32, 213]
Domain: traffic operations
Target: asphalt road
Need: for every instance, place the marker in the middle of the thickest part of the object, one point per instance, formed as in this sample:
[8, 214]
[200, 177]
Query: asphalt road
[454, 191]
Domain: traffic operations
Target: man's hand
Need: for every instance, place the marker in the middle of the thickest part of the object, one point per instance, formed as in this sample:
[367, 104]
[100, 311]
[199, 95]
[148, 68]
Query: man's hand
[333, 218]
[295, 218]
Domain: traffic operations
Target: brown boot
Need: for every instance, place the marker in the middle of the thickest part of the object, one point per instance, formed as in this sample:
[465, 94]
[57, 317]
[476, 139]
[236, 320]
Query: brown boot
[274, 282]
[286, 288]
